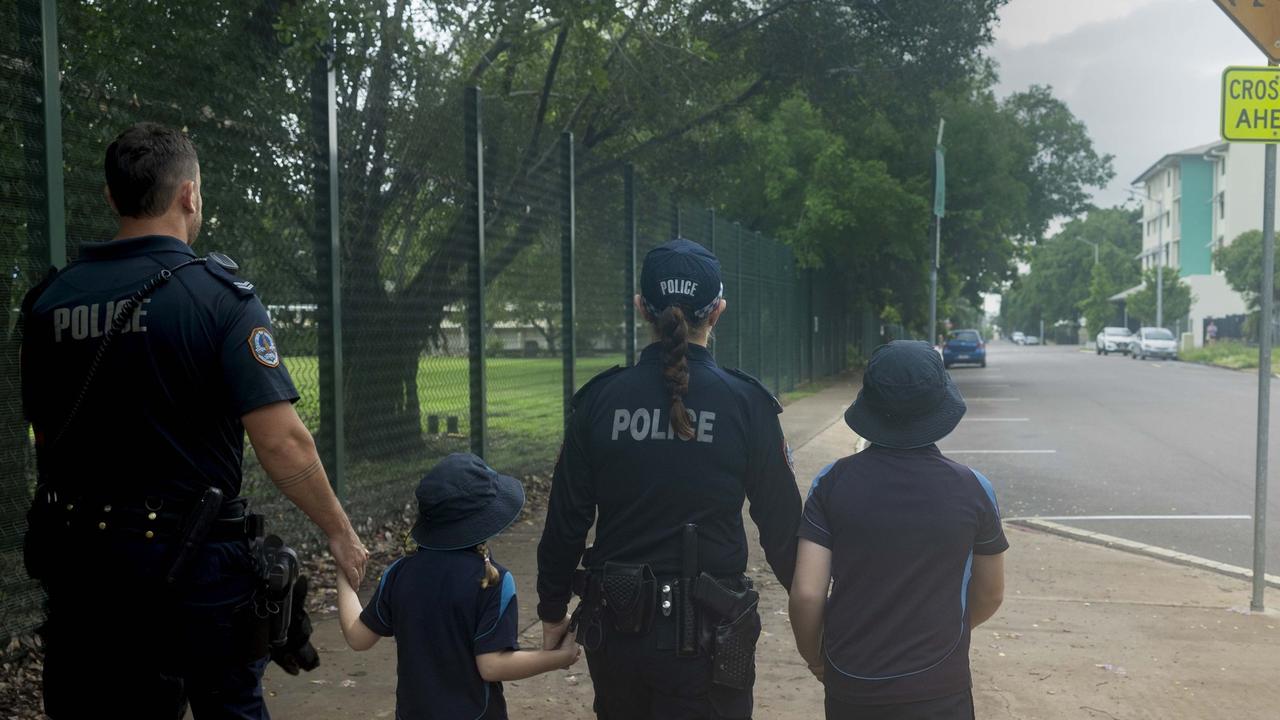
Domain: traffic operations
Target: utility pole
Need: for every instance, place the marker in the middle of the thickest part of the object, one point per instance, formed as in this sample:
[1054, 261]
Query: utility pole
[1264, 377]
[939, 207]
[1160, 253]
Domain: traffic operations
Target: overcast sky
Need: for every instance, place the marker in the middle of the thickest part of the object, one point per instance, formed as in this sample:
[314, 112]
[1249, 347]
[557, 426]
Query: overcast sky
[1143, 75]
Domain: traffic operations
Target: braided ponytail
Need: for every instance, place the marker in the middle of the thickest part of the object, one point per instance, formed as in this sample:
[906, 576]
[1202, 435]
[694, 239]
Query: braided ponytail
[490, 572]
[673, 333]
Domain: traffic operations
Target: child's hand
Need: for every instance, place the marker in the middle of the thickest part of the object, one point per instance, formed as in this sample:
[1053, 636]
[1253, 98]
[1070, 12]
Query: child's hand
[569, 650]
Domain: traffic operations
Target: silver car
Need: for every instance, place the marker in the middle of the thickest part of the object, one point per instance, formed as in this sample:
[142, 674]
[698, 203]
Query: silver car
[1113, 339]
[1154, 342]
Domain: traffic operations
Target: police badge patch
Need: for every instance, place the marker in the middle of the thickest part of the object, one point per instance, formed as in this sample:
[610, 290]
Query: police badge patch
[263, 347]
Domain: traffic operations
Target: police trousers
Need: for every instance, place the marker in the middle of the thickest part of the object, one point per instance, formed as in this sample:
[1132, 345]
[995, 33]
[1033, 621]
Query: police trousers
[118, 643]
[641, 678]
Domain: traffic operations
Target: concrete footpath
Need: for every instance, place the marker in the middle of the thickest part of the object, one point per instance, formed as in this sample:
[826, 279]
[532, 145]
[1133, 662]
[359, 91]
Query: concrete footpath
[1085, 632]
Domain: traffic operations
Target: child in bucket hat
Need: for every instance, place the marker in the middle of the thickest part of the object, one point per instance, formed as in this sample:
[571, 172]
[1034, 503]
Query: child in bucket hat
[900, 552]
[451, 608]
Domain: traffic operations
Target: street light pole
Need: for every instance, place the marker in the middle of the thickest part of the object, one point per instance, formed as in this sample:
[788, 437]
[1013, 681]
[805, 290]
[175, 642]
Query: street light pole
[1095, 248]
[938, 193]
[1160, 250]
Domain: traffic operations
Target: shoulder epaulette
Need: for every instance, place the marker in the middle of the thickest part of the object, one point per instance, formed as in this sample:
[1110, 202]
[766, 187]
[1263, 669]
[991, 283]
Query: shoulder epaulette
[582, 391]
[225, 269]
[753, 380]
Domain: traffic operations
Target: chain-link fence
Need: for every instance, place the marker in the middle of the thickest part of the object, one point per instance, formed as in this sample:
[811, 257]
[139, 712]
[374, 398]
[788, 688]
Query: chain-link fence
[442, 273]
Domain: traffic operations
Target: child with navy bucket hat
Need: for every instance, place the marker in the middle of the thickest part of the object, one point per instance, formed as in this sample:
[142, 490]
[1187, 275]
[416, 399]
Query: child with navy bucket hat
[900, 552]
[450, 607]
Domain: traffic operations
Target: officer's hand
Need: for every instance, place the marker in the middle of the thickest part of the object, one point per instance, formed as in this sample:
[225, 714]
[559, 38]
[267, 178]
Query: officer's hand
[350, 555]
[554, 633]
[569, 650]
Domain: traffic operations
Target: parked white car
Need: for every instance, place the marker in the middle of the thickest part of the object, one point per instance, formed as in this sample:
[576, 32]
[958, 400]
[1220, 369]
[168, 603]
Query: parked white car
[1153, 342]
[1018, 338]
[1113, 339]
[1031, 340]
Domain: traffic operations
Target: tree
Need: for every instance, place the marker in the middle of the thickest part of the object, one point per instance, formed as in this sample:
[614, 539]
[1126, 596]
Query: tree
[1241, 262]
[1177, 298]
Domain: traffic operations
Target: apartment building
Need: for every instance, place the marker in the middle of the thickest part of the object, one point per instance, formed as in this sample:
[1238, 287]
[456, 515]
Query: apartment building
[1196, 200]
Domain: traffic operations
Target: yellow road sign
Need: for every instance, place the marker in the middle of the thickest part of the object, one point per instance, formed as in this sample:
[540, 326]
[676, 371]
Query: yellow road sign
[1260, 20]
[1251, 104]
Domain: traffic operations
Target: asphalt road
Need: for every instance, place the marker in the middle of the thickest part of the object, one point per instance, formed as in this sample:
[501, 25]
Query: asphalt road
[1068, 434]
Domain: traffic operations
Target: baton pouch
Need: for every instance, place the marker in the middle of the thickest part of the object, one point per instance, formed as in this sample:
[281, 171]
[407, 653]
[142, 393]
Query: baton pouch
[630, 594]
[733, 657]
[38, 543]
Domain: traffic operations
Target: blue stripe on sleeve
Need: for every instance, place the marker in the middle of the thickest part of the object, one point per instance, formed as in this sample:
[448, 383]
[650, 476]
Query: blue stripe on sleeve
[817, 479]
[377, 596]
[508, 593]
[991, 492]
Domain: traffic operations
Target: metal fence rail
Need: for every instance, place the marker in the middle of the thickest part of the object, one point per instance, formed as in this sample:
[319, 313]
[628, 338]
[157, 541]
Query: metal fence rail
[446, 293]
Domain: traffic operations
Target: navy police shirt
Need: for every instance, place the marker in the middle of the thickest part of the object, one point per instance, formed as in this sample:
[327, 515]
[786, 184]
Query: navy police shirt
[623, 466]
[903, 527]
[162, 416]
[441, 618]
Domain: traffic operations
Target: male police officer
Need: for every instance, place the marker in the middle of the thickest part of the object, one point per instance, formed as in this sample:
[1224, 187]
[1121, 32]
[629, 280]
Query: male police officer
[666, 452]
[142, 368]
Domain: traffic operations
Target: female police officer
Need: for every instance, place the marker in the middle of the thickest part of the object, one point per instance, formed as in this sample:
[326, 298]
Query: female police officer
[663, 454]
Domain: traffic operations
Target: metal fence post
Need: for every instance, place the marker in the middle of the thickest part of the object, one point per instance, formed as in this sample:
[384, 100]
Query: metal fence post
[677, 225]
[473, 132]
[775, 303]
[324, 127]
[568, 297]
[759, 369]
[629, 224]
[737, 232]
[51, 104]
[711, 245]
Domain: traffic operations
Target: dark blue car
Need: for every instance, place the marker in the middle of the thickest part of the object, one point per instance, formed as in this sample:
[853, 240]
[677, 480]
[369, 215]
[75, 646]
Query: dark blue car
[964, 346]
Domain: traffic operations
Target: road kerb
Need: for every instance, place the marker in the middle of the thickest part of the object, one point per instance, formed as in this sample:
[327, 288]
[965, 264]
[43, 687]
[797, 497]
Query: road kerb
[1152, 551]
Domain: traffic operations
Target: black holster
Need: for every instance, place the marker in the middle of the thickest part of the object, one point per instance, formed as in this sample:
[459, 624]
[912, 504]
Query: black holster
[736, 629]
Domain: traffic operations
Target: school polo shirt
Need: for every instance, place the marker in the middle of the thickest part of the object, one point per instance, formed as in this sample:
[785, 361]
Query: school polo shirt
[903, 527]
[441, 618]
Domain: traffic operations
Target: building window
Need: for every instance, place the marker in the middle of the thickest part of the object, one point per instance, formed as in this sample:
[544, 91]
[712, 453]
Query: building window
[1222, 166]
[1167, 218]
[1168, 179]
[1177, 212]
[1222, 205]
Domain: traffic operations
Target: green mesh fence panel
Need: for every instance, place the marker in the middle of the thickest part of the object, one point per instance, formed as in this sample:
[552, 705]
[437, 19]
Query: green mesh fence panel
[603, 293]
[524, 331]
[24, 256]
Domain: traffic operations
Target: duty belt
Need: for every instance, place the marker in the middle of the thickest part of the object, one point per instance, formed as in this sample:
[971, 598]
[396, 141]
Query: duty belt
[151, 521]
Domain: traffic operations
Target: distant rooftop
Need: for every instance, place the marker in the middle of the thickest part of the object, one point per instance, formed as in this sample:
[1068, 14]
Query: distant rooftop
[1197, 151]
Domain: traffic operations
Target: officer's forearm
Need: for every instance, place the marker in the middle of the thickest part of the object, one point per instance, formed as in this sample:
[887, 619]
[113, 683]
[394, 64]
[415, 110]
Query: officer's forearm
[287, 452]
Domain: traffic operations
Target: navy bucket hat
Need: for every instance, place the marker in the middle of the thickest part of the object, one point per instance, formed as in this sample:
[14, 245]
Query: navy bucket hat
[908, 399]
[684, 273]
[463, 502]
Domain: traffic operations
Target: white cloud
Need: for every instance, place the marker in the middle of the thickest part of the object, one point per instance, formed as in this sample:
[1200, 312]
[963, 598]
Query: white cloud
[1146, 82]
[1030, 22]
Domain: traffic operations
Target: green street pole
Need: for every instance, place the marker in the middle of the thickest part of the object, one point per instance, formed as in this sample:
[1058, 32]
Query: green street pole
[1264, 378]
[939, 204]
[51, 107]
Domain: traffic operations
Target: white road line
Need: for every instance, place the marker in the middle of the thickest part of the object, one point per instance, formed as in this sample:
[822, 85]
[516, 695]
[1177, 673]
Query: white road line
[998, 452]
[991, 399]
[1066, 518]
[969, 419]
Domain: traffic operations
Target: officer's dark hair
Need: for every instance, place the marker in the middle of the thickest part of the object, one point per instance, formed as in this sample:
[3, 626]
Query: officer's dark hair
[145, 166]
[673, 328]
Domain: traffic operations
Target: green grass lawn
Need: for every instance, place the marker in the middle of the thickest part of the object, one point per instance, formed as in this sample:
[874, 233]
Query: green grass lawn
[525, 400]
[1229, 354]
